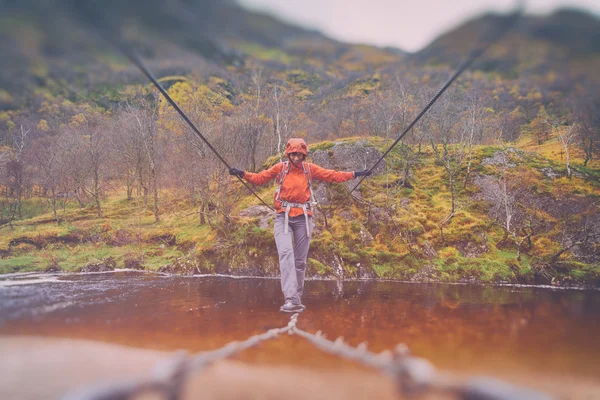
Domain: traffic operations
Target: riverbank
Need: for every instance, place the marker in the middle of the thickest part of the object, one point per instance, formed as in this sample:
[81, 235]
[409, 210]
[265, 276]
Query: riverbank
[34, 277]
[36, 367]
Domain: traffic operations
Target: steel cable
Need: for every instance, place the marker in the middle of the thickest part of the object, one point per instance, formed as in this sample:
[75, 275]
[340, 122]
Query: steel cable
[492, 37]
[109, 32]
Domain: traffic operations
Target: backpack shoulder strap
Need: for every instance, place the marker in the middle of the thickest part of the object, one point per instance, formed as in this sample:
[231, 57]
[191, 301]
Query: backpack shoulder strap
[306, 169]
[284, 171]
[281, 177]
[308, 173]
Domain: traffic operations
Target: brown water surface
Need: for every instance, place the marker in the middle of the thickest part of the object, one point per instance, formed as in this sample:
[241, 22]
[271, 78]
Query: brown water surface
[457, 327]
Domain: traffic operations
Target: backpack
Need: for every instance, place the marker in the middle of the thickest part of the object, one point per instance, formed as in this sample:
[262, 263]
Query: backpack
[281, 177]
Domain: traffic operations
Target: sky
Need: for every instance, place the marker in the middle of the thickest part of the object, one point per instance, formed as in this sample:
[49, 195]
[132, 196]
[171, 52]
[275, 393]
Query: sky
[408, 25]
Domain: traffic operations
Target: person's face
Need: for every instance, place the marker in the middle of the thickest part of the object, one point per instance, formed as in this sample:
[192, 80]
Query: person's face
[296, 158]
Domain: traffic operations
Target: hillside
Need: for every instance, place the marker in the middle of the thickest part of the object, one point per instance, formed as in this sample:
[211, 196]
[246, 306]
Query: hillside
[93, 163]
[392, 230]
[562, 38]
[67, 58]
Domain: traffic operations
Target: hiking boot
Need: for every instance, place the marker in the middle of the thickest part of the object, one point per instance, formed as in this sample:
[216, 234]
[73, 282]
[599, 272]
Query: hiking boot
[291, 307]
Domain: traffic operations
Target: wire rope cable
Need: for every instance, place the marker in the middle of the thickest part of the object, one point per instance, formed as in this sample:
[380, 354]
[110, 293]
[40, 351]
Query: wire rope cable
[493, 37]
[110, 34]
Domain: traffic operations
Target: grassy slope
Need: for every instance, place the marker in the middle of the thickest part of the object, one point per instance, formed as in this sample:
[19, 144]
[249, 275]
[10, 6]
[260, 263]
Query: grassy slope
[392, 234]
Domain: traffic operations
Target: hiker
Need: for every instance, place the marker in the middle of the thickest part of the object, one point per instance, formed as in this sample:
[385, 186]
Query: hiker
[293, 222]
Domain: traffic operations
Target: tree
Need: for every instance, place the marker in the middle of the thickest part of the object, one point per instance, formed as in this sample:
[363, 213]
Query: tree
[51, 173]
[284, 110]
[539, 126]
[473, 125]
[143, 127]
[567, 135]
[508, 195]
[15, 168]
[580, 230]
[449, 144]
[586, 110]
[508, 123]
[129, 152]
[250, 130]
[91, 135]
[76, 163]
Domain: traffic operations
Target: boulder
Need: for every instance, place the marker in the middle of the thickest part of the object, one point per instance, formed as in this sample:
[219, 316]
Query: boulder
[184, 265]
[263, 212]
[104, 265]
[346, 157]
[349, 157]
[134, 263]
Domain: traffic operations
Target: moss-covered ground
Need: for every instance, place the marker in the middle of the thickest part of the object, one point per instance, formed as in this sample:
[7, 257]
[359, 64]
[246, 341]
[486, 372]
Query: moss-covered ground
[394, 232]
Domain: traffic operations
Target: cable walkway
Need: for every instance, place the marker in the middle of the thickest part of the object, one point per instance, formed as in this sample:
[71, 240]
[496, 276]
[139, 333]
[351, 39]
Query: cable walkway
[412, 375]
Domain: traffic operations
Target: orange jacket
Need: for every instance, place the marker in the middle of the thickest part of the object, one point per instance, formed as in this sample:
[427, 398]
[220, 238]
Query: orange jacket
[295, 185]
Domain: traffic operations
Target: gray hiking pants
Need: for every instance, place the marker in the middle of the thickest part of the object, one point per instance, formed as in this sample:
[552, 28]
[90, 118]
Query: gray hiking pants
[293, 252]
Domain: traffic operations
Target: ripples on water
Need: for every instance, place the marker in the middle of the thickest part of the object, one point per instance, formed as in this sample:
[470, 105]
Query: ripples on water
[455, 326]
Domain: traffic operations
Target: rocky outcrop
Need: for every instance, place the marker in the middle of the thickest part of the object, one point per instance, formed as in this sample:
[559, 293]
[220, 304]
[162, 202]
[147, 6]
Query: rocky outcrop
[104, 265]
[134, 263]
[185, 265]
[346, 157]
[263, 213]
[349, 157]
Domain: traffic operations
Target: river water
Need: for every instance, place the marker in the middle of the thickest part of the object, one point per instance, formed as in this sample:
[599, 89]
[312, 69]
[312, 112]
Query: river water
[457, 327]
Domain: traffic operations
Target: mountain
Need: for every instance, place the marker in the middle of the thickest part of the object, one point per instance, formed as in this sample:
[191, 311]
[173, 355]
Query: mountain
[60, 47]
[81, 128]
[561, 41]
[56, 50]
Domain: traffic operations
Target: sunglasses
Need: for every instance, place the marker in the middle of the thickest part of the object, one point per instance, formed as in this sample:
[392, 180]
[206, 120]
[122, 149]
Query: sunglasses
[296, 155]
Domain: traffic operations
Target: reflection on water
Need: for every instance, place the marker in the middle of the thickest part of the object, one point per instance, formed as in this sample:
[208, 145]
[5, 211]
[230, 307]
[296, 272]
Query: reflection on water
[455, 326]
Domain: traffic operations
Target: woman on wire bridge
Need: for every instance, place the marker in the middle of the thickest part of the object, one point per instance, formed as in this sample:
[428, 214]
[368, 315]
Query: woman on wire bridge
[293, 222]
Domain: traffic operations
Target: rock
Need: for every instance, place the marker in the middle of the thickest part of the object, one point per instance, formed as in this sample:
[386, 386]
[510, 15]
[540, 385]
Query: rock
[184, 265]
[104, 265]
[263, 212]
[256, 211]
[320, 192]
[110, 262]
[346, 157]
[471, 249]
[376, 218]
[349, 157]
[52, 268]
[550, 173]
[167, 239]
[346, 215]
[426, 274]
[428, 251]
[500, 158]
[365, 273]
[134, 263]
[365, 236]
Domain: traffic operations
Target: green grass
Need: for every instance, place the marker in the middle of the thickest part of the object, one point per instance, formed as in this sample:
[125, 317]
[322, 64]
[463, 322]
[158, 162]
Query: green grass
[403, 223]
[19, 264]
[265, 53]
